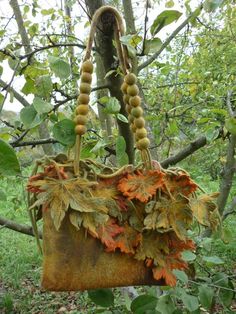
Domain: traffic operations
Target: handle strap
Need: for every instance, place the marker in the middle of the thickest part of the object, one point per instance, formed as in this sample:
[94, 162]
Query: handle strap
[129, 89]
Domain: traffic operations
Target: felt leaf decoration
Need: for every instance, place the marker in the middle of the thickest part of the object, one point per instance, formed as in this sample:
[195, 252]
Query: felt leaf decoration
[202, 206]
[57, 215]
[107, 233]
[163, 272]
[179, 183]
[151, 246]
[168, 214]
[75, 219]
[126, 241]
[91, 222]
[141, 186]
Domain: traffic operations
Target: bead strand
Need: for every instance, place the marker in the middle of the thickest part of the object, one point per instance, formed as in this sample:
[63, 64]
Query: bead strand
[135, 112]
[82, 108]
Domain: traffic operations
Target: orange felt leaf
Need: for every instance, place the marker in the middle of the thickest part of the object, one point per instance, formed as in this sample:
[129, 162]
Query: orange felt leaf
[163, 272]
[179, 183]
[108, 232]
[126, 241]
[141, 185]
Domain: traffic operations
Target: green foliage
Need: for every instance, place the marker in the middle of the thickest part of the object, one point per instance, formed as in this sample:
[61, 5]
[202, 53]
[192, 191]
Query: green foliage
[9, 164]
[63, 131]
[60, 67]
[163, 19]
[144, 304]
[122, 157]
[102, 297]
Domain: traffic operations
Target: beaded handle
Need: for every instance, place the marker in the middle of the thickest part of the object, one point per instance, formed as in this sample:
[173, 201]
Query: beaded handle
[129, 89]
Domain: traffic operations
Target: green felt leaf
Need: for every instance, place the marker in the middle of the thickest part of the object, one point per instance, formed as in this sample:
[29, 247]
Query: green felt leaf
[9, 164]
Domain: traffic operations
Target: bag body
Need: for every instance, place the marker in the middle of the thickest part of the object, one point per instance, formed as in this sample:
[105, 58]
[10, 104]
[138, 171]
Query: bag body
[75, 261]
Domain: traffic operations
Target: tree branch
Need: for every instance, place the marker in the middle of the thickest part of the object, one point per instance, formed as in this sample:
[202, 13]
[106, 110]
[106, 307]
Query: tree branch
[168, 40]
[33, 143]
[187, 151]
[18, 227]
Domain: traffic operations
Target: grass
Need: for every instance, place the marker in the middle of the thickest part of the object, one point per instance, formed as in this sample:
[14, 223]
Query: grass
[20, 263]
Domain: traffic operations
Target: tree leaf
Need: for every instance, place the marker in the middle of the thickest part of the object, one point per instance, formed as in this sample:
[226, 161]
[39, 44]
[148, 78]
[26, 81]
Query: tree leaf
[41, 106]
[164, 18]
[230, 125]
[121, 155]
[43, 86]
[102, 297]
[64, 132]
[206, 295]
[9, 164]
[152, 45]
[60, 67]
[213, 260]
[30, 117]
[181, 275]
[165, 304]
[3, 196]
[112, 106]
[190, 302]
[122, 118]
[212, 5]
[188, 256]
[29, 87]
[143, 303]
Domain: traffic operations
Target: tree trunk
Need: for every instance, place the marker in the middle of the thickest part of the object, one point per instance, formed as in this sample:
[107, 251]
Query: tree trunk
[104, 42]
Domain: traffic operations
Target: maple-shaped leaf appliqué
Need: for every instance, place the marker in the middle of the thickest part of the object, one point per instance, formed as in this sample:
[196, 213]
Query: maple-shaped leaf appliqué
[203, 206]
[179, 182]
[166, 274]
[141, 185]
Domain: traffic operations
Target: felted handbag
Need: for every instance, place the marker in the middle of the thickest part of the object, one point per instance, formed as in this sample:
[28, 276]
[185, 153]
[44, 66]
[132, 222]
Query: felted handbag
[111, 227]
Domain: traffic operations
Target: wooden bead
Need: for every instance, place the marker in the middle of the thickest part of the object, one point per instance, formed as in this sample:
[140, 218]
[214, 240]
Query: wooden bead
[83, 99]
[82, 109]
[124, 88]
[86, 77]
[139, 122]
[133, 128]
[130, 79]
[80, 129]
[135, 101]
[126, 98]
[87, 66]
[85, 88]
[137, 112]
[128, 108]
[141, 133]
[81, 119]
[143, 143]
[132, 90]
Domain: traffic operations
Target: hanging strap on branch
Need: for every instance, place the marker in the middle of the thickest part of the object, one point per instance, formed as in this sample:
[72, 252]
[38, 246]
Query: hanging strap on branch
[129, 89]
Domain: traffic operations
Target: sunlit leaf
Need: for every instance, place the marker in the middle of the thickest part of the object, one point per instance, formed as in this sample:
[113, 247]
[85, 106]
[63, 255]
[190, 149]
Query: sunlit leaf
[41, 106]
[60, 67]
[164, 18]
